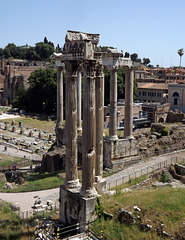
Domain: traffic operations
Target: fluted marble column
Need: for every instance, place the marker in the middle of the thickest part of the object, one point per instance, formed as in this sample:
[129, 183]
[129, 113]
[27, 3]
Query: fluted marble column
[128, 122]
[113, 105]
[99, 122]
[71, 125]
[89, 131]
[79, 101]
[59, 101]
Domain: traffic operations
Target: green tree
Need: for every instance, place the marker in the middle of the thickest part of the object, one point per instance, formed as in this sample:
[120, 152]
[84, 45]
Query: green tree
[181, 53]
[45, 40]
[21, 100]
[134, 57]
[40, 97]
[42, 91]
[44, 50]
[146, 61]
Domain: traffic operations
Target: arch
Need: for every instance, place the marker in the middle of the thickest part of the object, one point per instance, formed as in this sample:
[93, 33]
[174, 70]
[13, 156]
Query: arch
[161, 120]
[175, 94]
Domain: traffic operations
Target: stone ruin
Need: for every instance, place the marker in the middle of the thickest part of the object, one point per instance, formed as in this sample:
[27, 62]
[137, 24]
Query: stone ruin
[81, 54]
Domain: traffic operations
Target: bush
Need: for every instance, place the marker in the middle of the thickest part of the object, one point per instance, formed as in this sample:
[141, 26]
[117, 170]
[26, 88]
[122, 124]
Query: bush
[165, 132]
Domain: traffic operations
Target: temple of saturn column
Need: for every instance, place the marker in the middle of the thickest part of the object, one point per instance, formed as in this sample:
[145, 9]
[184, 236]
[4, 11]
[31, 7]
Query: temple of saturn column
[82, 57]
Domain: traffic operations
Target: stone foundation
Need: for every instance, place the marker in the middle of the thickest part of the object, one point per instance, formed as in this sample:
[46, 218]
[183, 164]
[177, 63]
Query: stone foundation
[76, 209]
[120, 153]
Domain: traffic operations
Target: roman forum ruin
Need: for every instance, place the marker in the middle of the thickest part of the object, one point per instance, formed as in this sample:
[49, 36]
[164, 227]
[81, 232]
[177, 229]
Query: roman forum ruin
[81, 56]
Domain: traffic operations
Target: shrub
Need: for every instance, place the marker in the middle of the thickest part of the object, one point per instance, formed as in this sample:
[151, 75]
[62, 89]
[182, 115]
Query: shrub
[165, 132]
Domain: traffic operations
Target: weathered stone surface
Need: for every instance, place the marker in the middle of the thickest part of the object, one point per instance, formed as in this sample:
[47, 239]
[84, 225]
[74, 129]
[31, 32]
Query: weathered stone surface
[120, 152]
[2, 177]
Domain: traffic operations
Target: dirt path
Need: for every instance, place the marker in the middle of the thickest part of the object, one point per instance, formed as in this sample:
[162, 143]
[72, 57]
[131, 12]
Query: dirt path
[26, 200]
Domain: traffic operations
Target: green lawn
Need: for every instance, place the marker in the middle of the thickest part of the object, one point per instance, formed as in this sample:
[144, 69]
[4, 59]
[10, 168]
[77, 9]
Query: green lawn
[164, 205]
[10, 224]
[34, 123]
[7, 160]
[36, 182]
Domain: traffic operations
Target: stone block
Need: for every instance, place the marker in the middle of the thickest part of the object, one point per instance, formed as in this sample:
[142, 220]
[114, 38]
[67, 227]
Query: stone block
[76, 209]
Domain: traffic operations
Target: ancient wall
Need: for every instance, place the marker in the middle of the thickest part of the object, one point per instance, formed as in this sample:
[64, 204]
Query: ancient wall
[120, 153]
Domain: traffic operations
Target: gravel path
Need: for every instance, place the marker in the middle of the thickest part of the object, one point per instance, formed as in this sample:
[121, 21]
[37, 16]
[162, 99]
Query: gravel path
[26, 200]
[144, 164]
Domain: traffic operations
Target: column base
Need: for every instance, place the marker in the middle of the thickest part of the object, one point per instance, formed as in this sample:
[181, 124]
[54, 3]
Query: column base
[88, 193]
[113, 138]
[100, 184]
[72, 184]
[79, 129]
[129, 137]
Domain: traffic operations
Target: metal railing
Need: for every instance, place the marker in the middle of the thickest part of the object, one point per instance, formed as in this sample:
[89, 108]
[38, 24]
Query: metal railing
[144, 171]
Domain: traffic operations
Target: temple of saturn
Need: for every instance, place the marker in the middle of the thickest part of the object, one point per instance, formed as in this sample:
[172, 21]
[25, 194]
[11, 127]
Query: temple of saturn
[81, 56]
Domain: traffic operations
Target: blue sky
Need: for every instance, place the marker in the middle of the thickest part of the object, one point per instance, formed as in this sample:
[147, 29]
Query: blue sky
[153, 28]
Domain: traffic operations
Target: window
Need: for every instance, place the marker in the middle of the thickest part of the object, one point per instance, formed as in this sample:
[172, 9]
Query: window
[144, 93]
[175, 94]
[175, 101]
[159, 94]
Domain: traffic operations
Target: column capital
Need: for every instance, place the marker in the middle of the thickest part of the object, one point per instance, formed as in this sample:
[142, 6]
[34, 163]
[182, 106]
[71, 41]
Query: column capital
[72, 68]
[90, 68]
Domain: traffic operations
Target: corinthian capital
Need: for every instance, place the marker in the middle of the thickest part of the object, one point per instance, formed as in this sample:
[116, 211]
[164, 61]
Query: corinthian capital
[72, 68]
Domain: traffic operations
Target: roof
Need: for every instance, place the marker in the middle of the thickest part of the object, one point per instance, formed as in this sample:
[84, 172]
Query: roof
[157, 86]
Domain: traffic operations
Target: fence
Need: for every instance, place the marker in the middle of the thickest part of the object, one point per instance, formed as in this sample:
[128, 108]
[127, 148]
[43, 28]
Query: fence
[144, 171]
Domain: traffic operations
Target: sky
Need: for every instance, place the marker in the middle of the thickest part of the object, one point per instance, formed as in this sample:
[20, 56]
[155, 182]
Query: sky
[153, 29]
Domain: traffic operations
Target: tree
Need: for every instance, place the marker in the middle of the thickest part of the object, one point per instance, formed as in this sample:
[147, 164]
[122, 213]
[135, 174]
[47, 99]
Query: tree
[181, 53]
[42, 90]
[1, 52]
[127, 55]
[134, 57]
[45, 40]
[40, 97]
[146, 61]
[44, 50]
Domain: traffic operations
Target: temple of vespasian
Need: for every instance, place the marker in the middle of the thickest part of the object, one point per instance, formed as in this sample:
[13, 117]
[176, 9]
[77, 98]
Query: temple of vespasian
[82, 55]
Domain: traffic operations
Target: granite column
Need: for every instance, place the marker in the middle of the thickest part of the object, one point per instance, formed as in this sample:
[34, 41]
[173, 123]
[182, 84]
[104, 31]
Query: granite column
[113, 105]
[99, 122]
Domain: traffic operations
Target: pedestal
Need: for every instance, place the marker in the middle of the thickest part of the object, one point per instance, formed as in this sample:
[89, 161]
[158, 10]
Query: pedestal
[76, 209]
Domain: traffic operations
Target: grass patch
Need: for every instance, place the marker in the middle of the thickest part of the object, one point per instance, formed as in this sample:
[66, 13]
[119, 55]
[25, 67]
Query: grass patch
[131, 182]
[9, 159]
[164, 205]
[44, 125]
[10, 224]
[37, 182]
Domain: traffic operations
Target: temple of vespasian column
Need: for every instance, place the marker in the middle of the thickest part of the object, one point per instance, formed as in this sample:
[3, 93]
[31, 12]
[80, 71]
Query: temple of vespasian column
[81, 54]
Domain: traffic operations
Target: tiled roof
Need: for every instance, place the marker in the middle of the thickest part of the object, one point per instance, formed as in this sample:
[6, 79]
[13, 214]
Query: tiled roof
[152, 86]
